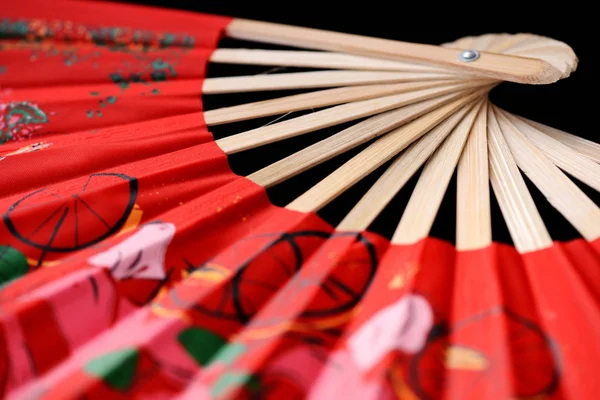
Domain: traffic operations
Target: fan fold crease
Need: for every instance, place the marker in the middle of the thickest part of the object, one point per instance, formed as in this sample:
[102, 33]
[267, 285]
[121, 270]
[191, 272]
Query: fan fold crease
[135, 263]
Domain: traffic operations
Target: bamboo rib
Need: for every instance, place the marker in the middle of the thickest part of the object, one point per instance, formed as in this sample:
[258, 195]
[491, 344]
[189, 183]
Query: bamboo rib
[574, 163]
[548, 46]
[586, 147]
[314, 59]
[559, 190]
[307, 101]
[396, 176]
[522, 218]
[465, 42]
[563, 62]
[311, 80]
[343, 141]
[328, 117]
[491, 65]
[504, 43]
[483, 42]
[531, 41]
[376, 155]
[423, 206]
[473, 214]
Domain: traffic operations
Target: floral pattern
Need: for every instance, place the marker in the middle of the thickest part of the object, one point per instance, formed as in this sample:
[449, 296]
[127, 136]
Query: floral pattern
[149, 58]
[19, 120]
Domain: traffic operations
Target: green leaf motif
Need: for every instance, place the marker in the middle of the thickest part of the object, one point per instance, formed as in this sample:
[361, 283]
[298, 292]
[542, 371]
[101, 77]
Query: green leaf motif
[116, 369]
[13, 264]
[200, 344]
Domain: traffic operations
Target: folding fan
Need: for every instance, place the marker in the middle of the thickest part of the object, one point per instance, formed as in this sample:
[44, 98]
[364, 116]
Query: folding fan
[135, 264]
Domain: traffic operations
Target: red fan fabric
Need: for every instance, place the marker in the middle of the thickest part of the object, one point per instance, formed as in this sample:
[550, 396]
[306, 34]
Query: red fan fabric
[72, 66]
[135, 264]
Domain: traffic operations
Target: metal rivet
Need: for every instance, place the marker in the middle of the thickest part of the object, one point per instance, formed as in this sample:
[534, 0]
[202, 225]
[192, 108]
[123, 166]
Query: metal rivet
[469, 55]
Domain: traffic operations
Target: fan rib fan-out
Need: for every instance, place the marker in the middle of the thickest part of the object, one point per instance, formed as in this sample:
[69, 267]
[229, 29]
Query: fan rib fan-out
[137, 262]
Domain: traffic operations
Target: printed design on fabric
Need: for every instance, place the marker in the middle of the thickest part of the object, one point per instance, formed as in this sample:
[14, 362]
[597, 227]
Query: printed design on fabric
[103, 102]
[132, 370]
[461, 351]
[209, 349]
[64, 218]
[156, 53]
[243, 278]
[144, 76]
[402, 326]
[153, 55]
[313, 372]
[28, 149]
[124, 372]
[209, 299]
[65, 325]
[114, 37]
[40, 50]
[13, 264]
[144, 73]
[20, 120]
[141, 255]
[357, 369]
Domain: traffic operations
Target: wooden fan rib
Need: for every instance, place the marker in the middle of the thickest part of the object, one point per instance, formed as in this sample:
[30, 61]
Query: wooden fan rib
[306, 101]
[574, 163]
[583, 146]
[496, 43]
[483, 42]
[541, 42]
[465, 42]
[343, 141]
[528, 41]
[311, 80]
[496, 66]
[314, 59]
[559, 190]
[561, 58]
[473, 214]
[329, 117]
[505, 42]
[396, 176]
[423, 206]
[563, 61]
[522, 218]
[374, 156]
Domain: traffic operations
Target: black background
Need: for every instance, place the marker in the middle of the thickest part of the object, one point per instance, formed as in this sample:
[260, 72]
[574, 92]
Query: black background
[570, 104]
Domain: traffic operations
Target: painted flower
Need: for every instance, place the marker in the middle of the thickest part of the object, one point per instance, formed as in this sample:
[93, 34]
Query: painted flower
[140, 256]
[402, 326]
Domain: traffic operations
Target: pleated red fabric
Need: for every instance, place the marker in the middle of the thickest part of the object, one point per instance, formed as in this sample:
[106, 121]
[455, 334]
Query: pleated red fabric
[135, 264]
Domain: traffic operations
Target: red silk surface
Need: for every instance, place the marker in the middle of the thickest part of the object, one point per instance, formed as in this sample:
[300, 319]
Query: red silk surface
[135, 264]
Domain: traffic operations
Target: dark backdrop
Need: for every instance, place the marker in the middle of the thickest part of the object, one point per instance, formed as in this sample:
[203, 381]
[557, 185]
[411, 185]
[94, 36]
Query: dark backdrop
[569, 104]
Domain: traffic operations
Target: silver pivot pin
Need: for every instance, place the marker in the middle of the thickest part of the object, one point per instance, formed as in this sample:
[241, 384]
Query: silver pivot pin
[469, 56]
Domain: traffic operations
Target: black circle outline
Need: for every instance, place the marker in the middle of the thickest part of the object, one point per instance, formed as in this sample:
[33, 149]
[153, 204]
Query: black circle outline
[133, 192]
[442, 331]
[374, 263]
[242, 316]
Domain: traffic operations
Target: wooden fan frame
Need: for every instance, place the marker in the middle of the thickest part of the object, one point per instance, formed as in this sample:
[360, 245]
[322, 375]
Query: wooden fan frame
[427, 105]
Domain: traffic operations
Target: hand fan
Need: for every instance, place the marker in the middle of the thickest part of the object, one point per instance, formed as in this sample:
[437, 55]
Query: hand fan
[135, 264]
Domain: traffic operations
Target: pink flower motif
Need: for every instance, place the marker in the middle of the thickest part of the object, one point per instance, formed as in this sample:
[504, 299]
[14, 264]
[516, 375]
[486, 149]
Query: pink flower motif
[402, 326]
[340, 378]
[140, 256]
